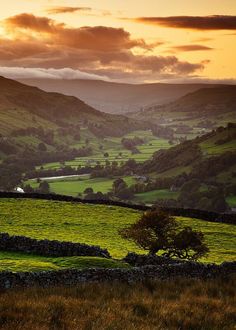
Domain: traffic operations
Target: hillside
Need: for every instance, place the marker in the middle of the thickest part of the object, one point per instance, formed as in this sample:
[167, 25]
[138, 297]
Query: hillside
[116, 97]
[198, 173]
[205, 108]
[28, 113]
[215, 143]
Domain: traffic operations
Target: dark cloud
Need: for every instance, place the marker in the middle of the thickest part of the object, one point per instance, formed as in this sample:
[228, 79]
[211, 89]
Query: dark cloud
[190, 48]
[64, 10]
[214, 22]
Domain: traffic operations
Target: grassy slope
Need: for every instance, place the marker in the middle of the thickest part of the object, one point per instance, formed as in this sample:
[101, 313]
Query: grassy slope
[209, 148]
[99, 225]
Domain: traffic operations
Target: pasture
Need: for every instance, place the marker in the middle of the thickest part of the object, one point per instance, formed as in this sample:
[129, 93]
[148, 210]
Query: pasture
[99, 225]
[76, 185]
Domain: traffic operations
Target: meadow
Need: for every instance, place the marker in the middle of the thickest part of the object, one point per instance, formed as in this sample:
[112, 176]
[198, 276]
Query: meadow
[72, 186]
[76, 185]
[99, 225]
[179, 303]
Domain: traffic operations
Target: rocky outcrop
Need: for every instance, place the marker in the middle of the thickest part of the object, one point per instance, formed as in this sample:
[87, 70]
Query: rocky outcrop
[71, 277]
[49, 248]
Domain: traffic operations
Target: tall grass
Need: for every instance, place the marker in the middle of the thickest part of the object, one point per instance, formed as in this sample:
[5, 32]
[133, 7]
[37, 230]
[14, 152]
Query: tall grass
[189, 304]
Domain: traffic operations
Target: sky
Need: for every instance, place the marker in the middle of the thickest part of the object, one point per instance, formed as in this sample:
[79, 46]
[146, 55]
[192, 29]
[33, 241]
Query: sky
[119, 40]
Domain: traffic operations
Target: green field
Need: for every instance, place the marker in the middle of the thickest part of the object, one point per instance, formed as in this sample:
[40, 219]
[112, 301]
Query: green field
[231, 200]
[20, 262]
[73, 186]
[99, 225]
[152, 196]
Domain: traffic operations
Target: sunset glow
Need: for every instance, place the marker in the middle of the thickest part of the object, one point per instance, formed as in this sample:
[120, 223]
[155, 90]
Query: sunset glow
[122, 40]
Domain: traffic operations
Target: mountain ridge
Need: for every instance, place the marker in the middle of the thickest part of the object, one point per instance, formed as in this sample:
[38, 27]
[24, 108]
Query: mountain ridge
[114, 97]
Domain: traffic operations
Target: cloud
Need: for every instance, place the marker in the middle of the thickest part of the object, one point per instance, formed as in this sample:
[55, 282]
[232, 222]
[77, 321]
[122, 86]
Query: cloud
[64, 10]
[40, 42]
[203, 39]
[190, 48]
[65, 73]
[97, 37]
[214, 22]
[30, 22]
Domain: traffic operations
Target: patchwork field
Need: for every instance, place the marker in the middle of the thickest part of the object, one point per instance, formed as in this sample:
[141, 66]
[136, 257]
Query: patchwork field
[99, 225]
[114, 148]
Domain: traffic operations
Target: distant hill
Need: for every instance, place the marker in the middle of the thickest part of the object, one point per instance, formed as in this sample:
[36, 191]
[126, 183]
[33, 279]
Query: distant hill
[116, 97]
[207, 100]
[17, 99]
[204, 108]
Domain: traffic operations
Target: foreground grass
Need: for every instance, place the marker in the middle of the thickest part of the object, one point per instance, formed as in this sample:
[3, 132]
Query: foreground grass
[99, 225]
[164, 305]
[20, 262]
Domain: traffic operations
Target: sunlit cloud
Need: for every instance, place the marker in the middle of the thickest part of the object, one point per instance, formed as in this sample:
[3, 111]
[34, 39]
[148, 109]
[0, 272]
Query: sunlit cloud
[65, 10]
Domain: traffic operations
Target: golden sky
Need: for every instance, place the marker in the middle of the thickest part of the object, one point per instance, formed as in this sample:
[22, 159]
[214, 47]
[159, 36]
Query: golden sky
[137, 41]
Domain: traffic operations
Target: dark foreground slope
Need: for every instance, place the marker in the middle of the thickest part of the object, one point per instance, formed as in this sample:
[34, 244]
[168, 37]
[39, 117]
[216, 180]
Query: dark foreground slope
[167, 305]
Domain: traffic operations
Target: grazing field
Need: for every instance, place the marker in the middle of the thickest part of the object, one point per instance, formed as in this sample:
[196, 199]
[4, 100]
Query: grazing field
[20, 262]
[99, 225]
[76, 185]
[161, 305]
[73, 186]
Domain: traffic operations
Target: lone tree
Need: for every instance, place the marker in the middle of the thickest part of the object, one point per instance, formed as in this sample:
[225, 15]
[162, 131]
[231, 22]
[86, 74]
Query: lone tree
[157, 231]
[44, 187]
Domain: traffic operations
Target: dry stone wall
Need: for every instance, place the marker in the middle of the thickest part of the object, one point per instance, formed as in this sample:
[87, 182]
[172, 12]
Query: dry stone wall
[49, 248]
[72, 277]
